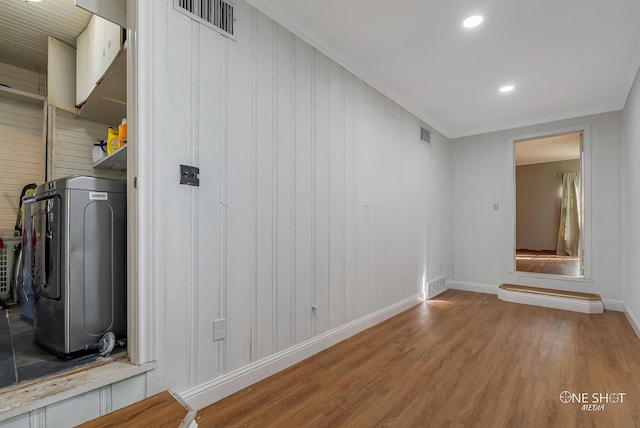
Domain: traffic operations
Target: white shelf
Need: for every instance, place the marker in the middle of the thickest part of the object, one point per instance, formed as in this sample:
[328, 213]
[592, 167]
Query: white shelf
[116, 161]
[18, 95]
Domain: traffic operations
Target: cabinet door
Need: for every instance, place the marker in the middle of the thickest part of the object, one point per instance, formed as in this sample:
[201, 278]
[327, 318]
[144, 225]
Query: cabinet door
[98, 45]
[112, 43]
[89, 57]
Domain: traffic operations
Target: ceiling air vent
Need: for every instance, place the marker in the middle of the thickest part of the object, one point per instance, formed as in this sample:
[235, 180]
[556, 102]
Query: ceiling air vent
[425, 135]
[217, 14]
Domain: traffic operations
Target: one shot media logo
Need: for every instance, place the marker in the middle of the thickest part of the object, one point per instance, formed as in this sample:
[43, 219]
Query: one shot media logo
[592, 401]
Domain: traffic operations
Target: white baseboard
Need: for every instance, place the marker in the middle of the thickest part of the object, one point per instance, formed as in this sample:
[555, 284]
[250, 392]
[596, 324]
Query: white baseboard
[473, 286]
[614, 305]
[216, 389]
[633, 320]
[555, 302]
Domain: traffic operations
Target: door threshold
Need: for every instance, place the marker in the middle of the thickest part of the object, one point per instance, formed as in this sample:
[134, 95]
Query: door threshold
[27, 396]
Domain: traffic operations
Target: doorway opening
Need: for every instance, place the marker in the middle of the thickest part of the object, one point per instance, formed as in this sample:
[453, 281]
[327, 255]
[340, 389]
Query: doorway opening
[62, 147]
[549, 205]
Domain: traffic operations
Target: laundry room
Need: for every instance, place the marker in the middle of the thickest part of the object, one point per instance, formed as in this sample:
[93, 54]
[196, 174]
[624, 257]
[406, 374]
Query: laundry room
[63, 186]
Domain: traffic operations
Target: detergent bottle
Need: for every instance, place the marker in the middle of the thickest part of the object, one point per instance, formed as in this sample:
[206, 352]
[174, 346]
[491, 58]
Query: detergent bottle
[122, 133]
[112, 141]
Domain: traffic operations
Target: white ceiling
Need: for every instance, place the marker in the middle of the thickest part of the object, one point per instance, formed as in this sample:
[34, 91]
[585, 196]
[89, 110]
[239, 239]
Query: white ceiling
[567, 58]
[548, 149]
[25, 26]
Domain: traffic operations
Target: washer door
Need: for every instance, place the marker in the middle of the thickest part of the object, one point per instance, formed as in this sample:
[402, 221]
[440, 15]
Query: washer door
[46, 224]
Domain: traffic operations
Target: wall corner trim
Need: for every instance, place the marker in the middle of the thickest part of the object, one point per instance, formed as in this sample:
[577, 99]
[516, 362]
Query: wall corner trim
[219, 388]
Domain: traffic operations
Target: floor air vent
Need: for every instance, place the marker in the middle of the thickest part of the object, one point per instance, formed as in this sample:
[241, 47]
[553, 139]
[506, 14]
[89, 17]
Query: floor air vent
[436, 287]
[217, 14]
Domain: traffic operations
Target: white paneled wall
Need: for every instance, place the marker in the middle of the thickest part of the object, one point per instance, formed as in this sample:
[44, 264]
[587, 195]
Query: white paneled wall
[22, 155]
[315, 202]
[630, 210]
[22, 79]
[71, 145]
[22, 149]
[483, 238]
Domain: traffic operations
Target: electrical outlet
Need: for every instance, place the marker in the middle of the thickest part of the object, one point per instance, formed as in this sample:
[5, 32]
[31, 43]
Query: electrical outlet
[219, 327]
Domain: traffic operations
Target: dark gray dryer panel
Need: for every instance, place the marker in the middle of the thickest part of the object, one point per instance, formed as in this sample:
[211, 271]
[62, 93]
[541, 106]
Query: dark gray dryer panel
[45, 216]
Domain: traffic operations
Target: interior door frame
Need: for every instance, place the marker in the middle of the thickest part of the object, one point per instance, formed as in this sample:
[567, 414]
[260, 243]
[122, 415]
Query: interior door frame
[142, 329]
[544, 280]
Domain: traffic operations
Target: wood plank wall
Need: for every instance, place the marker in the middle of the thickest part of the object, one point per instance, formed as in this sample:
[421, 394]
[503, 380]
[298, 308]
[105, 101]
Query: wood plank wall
[21, 142]
[312, 209]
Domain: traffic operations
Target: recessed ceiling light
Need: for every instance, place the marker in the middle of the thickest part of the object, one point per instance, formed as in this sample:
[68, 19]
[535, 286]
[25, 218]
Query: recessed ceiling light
[507, 88]
[34, 1]
[473, 21]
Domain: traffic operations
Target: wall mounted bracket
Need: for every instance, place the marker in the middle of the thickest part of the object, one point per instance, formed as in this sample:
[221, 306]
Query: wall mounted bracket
[190, 175]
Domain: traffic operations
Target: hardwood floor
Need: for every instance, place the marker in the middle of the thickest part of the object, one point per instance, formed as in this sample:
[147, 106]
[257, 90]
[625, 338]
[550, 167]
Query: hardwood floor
[463, 359]
[547, 263]
[158, 411]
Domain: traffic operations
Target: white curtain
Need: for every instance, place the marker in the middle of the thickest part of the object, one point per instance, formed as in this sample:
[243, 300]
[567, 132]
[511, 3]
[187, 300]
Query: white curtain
[570, 216]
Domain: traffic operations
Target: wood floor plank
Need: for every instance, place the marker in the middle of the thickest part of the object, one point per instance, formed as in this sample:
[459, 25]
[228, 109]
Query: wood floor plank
[552, 264]
[463, 359]
[158, 411]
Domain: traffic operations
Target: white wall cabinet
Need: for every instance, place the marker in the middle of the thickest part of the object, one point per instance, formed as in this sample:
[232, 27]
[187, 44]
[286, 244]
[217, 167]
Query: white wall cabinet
[97, 48]
[90, 81]
[61, 75]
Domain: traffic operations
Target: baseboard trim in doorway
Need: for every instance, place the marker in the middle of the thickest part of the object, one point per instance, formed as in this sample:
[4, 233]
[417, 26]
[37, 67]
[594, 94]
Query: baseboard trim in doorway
[219, 388]
[556, 299]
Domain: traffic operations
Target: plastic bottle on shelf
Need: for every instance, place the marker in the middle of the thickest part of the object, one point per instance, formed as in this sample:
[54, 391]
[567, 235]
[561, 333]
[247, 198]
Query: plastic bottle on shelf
[122, 133]
[112, 141]
[99, 151]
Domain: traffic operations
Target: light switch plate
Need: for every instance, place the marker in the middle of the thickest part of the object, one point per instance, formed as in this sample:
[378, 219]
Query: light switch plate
[219, 327]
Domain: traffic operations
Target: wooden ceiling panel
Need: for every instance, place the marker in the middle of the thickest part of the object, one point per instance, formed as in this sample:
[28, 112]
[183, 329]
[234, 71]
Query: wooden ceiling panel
[25, 26]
